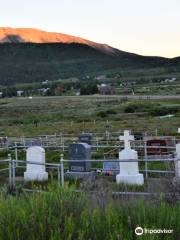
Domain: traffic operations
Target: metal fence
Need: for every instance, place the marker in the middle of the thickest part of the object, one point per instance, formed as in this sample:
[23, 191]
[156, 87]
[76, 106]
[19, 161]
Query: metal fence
[13, 164]
[63, 140]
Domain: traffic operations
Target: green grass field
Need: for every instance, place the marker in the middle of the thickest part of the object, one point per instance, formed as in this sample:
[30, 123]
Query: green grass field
[49, 115]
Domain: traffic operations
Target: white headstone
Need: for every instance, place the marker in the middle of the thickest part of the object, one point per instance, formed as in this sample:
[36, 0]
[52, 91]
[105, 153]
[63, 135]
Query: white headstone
[35, 172]
[129, 171]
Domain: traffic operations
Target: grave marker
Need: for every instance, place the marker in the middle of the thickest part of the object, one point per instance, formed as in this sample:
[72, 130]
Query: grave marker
[129, 171]
[157, 147]
[110, 168]
[82, 152]
[35, 172]
[86, 138]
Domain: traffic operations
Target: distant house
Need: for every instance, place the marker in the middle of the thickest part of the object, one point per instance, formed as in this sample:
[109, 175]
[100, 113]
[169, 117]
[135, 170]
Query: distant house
[19, 93]
[106, 89]
[43, 90]
[101, 77]
[45, 82]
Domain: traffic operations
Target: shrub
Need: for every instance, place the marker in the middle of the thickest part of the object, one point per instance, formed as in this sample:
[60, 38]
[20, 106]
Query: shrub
[104, 114]
[137, 107]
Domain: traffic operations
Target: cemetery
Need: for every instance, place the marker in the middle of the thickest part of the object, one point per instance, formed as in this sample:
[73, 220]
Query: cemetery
[75, 176]
[121, 160]
[104, 175]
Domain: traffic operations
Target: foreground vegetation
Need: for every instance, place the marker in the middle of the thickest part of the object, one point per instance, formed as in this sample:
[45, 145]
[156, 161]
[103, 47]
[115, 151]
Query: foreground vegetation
[60, 213]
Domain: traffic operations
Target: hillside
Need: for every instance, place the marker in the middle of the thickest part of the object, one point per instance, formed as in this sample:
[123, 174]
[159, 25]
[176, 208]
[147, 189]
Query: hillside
[31, 35]
[22, 61]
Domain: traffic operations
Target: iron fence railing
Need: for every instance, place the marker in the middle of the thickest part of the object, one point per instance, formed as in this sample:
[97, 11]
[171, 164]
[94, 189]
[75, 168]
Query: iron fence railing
[13, 164]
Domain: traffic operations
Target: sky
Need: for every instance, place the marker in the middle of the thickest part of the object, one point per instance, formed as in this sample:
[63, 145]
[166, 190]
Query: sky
[147, 27]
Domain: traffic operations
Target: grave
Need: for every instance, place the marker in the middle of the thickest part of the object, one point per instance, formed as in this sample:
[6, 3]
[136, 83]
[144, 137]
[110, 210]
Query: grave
[80, 169]
[35, 172]
[110, 168]
[129, 171]
[157, 147]
[138, 136]
[85, 138]
[82, 152]
[33, 142]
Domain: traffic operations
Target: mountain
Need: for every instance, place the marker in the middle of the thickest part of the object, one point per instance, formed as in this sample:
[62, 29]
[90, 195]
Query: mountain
[30, 55]
[31, 35]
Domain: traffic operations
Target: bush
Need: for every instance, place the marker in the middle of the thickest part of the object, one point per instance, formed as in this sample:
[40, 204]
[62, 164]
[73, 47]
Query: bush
[161, 111]
[104, 114]
[137, 107]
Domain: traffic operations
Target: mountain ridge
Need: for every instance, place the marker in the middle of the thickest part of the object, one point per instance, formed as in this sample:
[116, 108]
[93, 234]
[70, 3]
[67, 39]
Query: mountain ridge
[34, 55]
[33, 35]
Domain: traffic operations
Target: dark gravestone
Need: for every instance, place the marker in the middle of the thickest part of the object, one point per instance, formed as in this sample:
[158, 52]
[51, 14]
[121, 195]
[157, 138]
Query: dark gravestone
[111, 168]
[33, 142]
[157, 147]
[86, 138]
[138, 136]
[81, 152]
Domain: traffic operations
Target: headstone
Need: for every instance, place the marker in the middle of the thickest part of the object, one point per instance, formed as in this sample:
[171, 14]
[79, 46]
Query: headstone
[80, 169]
[129, 171]
[81, 152]
[32, 142]
[156, 147]
[110, 168]
[36, 171]
[86, 138]
[138, 136]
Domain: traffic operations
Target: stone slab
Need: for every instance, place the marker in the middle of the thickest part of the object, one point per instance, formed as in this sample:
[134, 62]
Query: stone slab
[137, 179]
[80, 175]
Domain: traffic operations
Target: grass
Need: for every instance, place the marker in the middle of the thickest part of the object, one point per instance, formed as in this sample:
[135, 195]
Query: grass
[49, 115]
[60, 213]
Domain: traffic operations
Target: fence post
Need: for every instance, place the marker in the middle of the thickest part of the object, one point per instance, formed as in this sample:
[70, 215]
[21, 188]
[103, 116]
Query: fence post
[10, 170]
[62, 169]
[13, 174]
[63, 145]
[62, 142]
[97, 143]
[23, 140]
[16, 154]
[177, 161]
[59, 174]
[145, 156]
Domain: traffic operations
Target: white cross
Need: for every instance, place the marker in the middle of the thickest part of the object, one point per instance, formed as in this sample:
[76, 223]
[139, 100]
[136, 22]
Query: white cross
[126, 138]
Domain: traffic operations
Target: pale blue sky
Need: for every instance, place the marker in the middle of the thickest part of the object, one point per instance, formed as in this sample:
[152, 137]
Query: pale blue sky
[148, 27]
